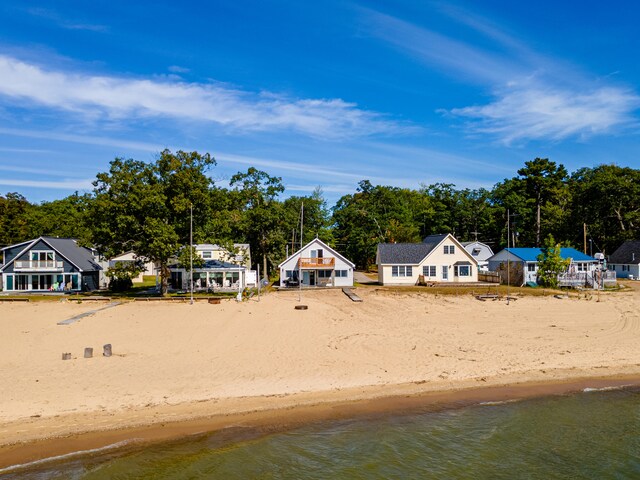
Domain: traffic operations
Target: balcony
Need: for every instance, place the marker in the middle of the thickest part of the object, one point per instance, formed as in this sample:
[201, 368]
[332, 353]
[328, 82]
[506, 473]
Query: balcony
[322, 262]
[38, 265]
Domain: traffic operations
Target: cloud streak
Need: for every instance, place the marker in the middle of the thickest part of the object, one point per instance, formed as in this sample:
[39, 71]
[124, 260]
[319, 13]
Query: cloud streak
[120, 98]
[539, 113]
[534, 97]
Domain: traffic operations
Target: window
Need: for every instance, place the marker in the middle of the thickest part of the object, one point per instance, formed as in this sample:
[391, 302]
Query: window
[429, 270]
[22, 282]
[206, 254]
[341, 273]
[324, 273]
[401, 271]
[42, 259]
[464, 271]
[531, 267]
[475, 252]
[288, 274]
[449, 249]
[625, 268]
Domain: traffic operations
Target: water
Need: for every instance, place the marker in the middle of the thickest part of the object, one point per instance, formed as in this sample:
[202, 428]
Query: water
[591, 435]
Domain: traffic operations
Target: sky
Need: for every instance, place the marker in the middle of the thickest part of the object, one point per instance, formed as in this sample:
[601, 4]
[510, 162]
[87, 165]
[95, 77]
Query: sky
[326, 93]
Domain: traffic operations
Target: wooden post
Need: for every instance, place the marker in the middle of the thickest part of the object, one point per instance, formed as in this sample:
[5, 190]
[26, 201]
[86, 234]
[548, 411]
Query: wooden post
[88, 352]
[107, 350]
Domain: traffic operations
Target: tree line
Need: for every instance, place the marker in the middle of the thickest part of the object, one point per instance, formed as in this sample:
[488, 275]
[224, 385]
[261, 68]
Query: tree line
[146, 207]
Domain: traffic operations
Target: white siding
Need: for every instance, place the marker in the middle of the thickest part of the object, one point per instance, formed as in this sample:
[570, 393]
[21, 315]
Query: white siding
[340, 264]
[440, 260]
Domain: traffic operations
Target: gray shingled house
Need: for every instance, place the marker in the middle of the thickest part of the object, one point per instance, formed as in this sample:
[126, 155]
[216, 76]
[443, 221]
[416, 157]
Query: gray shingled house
[49, 264]
[625, 261]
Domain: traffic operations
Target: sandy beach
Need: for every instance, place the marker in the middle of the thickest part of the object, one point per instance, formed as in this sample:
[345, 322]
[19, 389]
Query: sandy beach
[175, 363]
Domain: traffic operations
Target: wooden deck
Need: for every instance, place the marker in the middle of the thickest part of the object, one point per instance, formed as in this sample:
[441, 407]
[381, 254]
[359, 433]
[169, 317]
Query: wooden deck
[320, 262]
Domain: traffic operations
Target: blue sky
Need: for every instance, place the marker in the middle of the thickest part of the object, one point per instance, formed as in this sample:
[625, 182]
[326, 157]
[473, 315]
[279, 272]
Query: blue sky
[322, 93]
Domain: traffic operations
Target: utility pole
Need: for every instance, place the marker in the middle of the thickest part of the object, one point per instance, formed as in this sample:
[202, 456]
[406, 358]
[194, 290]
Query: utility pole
[508, 255]
[191, 252]
[584, 231]
[300, 258]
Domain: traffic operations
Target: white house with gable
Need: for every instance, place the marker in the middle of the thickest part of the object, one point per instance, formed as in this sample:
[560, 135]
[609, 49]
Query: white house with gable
[439, 258]
[318, 265]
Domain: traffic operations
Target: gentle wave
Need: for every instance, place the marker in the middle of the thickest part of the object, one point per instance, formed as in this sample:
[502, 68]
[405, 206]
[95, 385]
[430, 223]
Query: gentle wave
[498, 402]
[607, 389]
[66, 456]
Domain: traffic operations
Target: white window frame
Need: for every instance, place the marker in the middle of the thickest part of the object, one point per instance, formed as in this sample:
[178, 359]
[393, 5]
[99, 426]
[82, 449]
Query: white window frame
[429, 271]
[401, 271]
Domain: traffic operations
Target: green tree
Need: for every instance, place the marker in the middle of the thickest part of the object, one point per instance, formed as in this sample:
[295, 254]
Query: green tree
[145, 207]
[543, 181]
[15, 224]
[607, 199]
[260, 213]
[550, 263]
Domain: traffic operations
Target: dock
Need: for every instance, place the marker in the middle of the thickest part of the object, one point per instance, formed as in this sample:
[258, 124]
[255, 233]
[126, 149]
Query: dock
[351, 295]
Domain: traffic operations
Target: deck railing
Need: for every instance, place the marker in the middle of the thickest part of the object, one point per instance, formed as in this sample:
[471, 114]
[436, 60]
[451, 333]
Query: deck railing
[38, 265]
[321, 262]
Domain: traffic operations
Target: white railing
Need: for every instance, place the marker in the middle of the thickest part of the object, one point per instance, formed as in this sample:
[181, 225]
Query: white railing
[38, 265]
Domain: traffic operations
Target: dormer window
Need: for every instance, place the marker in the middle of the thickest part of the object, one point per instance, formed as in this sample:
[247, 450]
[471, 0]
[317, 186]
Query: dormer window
[475, 252]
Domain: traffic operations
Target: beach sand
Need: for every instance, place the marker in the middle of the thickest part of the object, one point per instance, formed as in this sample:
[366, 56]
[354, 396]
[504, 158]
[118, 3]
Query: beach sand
[179, 368]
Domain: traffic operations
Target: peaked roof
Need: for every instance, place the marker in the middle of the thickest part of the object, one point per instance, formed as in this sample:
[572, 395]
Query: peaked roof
[531, 254]
[627, 253]
[80, 257]
[409, 253]
[403, 253]
[317, 240]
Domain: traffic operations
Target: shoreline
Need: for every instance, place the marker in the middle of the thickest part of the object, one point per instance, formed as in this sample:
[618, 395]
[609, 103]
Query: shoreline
[179, 370]
[257, 416]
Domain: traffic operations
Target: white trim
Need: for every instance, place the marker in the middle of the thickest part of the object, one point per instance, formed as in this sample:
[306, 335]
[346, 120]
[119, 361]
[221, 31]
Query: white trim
[336, 254]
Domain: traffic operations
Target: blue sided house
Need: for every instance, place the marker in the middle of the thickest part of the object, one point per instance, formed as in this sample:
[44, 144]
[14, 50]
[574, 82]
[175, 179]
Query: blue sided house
[49, 264]
[527, 260]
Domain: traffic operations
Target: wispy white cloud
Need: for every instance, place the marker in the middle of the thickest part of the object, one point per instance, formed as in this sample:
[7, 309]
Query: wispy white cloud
[129, 145]
[61, 185]
[534, 97]
[123, 98]
[521, 114]
[66, 23]
[178, 69]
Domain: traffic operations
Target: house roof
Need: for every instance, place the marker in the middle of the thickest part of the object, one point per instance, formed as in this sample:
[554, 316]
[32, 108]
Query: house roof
[531, 254]
[317, 240]
[80, 257]
[219, 264]
[627, 253]
[412, 253]
[403, 253]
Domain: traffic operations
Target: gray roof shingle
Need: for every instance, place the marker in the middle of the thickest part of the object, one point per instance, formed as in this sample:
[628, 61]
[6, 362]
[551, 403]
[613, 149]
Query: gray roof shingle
[81, 257]
[408, 253]
[627, 253]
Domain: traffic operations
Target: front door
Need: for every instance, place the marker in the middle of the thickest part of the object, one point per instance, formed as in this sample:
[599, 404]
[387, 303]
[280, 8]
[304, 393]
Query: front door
[445, 273]
[309, 278]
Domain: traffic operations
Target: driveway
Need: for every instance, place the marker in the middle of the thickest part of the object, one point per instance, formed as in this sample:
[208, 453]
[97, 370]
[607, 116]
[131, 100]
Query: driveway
[363, 279]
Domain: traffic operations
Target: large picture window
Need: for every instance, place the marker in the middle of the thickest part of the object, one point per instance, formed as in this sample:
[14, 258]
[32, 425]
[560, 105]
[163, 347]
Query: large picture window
[462, 270]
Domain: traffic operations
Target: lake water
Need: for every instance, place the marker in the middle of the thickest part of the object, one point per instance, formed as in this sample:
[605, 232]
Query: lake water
[591, 435]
